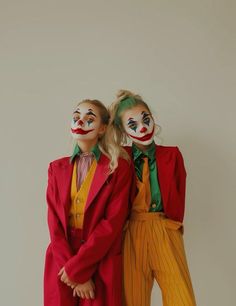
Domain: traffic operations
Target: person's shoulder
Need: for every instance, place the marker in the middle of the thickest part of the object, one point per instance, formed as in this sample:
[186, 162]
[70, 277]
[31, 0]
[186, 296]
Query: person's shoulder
[60, 162]
[169, 152]
[168, 149]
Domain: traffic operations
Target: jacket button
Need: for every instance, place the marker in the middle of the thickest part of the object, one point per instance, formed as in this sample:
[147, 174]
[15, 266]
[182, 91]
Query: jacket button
[154, 205]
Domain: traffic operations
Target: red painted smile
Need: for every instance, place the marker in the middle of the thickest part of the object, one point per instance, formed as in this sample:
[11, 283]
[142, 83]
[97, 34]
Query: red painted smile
[145, 137]
[81, 131]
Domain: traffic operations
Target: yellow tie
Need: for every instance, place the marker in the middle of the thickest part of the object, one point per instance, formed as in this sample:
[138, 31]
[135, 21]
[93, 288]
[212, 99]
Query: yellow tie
[146, 181]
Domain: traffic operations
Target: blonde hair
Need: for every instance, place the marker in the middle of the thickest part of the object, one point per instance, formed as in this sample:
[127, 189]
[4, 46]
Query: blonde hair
[118, 131]
[106, 142]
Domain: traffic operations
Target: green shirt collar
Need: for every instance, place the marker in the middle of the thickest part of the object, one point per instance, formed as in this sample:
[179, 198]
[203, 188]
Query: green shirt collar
[150, 152]
[95, 150]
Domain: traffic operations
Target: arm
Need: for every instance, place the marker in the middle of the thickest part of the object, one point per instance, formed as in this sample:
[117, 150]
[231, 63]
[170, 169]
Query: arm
[60, 248]
[82, 266]
[178, 188]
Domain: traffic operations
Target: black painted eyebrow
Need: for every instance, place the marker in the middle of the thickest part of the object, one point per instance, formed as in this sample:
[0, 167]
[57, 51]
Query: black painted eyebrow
[145, 114]
[131, 121]
[90, 112]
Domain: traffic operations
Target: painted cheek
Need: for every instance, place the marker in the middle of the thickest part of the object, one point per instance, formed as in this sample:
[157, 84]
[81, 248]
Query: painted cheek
[131, 127]
[134, 129]
[89, 122]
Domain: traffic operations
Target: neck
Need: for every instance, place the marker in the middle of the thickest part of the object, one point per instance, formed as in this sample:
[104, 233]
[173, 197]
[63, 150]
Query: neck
[86, 145]
[141, 147]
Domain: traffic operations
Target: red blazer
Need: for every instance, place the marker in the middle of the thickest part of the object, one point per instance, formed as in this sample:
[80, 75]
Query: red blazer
[105, 214]
[172, 180]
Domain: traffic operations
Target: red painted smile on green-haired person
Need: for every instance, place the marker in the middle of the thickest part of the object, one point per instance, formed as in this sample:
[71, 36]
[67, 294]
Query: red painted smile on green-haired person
[139, 124]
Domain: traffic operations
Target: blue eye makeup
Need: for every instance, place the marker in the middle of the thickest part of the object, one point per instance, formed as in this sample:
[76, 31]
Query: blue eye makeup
[90, 121]
[75, 118]
[132, 124]
[133, 127]
[146, 121]
[146, 118]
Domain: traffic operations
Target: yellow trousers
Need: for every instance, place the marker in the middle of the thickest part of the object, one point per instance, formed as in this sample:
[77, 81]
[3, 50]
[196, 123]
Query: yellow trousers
[153, 249]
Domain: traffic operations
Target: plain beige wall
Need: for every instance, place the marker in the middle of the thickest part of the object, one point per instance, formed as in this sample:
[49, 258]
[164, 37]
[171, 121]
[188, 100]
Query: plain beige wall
[180, 55]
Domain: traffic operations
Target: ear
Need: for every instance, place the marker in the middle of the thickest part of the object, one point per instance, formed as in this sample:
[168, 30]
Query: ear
[102, 129]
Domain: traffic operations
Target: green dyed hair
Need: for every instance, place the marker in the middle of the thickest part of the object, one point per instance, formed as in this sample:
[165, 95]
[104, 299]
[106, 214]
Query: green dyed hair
[125, 100]
[126, 103]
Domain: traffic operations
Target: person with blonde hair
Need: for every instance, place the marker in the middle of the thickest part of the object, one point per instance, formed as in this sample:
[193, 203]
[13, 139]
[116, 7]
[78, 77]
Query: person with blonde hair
[153, 243]
[88, 200]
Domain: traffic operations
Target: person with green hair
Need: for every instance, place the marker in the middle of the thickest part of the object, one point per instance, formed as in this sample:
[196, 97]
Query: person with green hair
[153, 246]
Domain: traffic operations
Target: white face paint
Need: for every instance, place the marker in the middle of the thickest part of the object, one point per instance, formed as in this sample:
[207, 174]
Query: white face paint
[86, 122]
[139, 125]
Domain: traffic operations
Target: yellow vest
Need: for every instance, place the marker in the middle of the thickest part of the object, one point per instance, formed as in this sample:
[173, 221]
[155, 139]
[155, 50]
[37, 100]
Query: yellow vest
[79, 197]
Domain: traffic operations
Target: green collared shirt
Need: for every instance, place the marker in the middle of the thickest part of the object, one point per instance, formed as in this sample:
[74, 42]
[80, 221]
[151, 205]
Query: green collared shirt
[77, 151]
[156, 201]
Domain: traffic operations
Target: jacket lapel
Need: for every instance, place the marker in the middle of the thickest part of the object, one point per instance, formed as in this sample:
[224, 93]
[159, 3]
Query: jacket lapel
[64, 184]
[100, 177]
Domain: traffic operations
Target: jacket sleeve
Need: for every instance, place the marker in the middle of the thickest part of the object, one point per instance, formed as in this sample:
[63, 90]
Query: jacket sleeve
[60, 247]
[82, 266]
[178, 188]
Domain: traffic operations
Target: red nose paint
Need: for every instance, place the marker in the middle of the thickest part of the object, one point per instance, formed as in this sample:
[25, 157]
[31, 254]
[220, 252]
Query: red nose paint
[143, 129]
[80, 122]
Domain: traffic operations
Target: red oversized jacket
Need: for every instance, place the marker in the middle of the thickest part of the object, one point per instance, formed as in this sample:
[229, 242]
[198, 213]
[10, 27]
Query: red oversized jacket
[100, 252]
[172, 180]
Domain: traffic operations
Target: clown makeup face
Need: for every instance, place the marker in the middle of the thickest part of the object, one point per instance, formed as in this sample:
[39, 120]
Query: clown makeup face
[86, 122]
[139, 125]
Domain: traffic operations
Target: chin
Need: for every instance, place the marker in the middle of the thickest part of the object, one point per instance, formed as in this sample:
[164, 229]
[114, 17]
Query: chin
[77, 136]
[143, 143]
[82, 137]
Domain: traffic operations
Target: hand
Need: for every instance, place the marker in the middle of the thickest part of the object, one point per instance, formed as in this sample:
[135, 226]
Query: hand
[85, 291]
[65, 279]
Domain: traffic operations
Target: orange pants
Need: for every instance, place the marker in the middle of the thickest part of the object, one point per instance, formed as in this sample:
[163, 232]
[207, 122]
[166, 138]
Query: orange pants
[154, 249]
